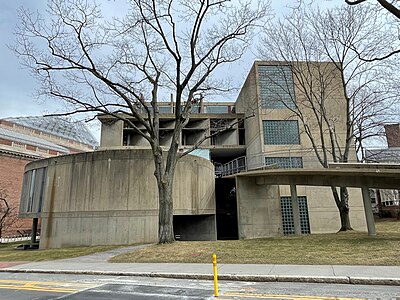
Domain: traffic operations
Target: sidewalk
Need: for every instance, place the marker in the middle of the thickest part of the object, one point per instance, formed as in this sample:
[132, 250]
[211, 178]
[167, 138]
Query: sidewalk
[97, 264]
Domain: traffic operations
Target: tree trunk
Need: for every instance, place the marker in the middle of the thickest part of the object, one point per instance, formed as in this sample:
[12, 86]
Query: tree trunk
[165, 176]
[166, 214]
[344, 219]
[342, 203]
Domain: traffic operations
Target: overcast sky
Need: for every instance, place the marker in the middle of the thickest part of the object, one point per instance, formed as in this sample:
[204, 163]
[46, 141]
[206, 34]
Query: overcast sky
[17, 87]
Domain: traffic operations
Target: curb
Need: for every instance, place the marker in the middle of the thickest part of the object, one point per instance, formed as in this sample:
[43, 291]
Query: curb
[375, 281]
[228, 277]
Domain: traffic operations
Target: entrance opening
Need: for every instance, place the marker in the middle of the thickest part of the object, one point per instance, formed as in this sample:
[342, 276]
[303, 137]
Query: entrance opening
[194, 227]
[227, 223]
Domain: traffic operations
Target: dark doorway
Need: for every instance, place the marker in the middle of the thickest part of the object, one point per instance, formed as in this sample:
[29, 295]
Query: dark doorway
[194, 227]
[225, 194]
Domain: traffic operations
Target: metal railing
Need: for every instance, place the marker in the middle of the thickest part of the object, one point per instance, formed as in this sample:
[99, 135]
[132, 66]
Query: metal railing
[240, 164]
[234, 166]
[254, 162]
[13, 239]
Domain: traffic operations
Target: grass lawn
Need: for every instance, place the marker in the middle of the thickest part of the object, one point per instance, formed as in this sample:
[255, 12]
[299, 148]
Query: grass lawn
[347, 248]
[9, 253]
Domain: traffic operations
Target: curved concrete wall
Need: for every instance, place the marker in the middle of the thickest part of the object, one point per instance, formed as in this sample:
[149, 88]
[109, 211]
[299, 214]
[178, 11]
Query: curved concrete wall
[111, 197]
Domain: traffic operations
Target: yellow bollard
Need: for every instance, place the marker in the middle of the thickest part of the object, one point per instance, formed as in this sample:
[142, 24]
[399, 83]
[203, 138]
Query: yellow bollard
[215, 275]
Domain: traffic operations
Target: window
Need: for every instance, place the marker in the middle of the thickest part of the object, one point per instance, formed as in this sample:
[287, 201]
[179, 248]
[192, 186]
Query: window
[287, 215]
[164, 109]
[217, 109]
[281, 132]
[276, 86]
[285, 162]
[196, 109]
[18, 145]
[33, 190]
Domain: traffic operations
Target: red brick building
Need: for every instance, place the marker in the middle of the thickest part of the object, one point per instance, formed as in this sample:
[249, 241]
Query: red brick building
[393, 135]
[26, 139]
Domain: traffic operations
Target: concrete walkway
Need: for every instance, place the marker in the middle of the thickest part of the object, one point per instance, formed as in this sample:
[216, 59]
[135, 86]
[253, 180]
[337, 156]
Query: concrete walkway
[97, 264]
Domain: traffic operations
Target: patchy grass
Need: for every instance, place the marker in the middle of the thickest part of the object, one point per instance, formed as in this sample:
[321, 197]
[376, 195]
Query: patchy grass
[345, 248]
[9, 253]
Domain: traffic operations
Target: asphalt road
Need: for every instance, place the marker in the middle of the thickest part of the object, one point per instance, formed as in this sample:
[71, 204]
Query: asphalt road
[19, 286]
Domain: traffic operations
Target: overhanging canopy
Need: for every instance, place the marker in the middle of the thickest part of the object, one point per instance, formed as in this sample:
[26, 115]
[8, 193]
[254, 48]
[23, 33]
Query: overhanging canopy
[346, 177]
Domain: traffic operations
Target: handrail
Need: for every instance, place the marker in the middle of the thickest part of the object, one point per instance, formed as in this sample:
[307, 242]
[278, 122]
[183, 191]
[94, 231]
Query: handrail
[253, 162]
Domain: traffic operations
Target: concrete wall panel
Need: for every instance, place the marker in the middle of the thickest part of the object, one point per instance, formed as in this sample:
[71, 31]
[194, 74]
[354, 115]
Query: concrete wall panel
[111, 197]
[324, 215]
[111, 133]
[259, 213]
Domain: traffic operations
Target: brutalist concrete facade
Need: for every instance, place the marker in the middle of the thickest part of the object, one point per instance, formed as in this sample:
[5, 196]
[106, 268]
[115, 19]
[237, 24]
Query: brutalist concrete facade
[247, 139]
[322, 211]
[110, 198]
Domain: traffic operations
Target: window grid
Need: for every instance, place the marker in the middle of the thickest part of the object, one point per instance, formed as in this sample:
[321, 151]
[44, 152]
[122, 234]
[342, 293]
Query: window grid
[287, 215]
[276, 86]
[281, 132]
[285, 162]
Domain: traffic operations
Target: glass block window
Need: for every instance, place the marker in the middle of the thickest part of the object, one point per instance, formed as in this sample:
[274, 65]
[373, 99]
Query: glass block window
[276, 86]
[287, 215]
[281, 132]
[285, 162]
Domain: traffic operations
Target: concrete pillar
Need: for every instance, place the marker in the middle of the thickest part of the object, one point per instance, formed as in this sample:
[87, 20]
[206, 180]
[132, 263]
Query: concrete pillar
[369, 216]
[34, 230]
[295, 209]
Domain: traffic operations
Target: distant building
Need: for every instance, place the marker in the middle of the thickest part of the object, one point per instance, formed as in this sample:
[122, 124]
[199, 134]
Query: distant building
[393, 135]
[387, 202]
[25, 139]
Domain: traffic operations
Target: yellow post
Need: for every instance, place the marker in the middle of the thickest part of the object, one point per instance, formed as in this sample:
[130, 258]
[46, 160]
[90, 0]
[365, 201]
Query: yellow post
[215, 275]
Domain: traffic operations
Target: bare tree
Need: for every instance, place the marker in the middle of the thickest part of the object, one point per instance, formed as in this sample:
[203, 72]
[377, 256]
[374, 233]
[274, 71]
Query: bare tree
[390, 9]
[388, 5]
[390, 13]
[8, 215]
[306, 39]
[122, 67]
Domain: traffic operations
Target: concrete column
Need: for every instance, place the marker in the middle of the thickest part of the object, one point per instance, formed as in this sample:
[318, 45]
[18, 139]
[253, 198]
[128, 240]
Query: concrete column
[295, 209]
[369, 216]
[34, 230]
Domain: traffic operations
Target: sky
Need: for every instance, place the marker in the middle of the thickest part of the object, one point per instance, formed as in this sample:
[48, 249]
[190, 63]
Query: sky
[18, 87]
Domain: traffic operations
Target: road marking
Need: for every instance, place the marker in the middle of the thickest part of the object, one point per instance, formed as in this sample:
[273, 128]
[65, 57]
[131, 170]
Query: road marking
[285, 297]
[44, 286]
[38, 289]
[47, 283]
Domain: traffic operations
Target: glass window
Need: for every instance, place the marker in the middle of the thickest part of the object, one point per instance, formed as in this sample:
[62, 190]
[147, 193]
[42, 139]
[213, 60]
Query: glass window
[195, 109]
[165, 109]
[281, 132]
[285, 162]
[33, 189]
[217, 109]
[276, 86]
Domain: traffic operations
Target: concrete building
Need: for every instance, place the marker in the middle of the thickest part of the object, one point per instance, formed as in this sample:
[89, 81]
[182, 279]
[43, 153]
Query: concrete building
[79, 207]
[25, 139]
[384, 201]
